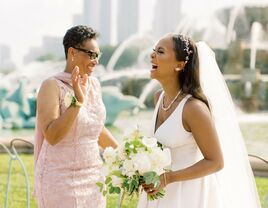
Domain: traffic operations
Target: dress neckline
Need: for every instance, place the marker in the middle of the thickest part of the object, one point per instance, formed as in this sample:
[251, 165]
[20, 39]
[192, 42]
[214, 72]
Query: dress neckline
[156, 113]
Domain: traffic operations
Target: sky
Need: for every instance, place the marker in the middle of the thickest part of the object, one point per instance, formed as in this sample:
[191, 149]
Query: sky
[24, 22]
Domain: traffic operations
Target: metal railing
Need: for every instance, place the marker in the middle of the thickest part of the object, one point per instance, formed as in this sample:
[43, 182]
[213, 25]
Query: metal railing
[265, 205]
[14, 156]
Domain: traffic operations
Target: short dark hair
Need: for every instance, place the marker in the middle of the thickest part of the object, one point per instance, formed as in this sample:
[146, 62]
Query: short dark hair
[75, 36]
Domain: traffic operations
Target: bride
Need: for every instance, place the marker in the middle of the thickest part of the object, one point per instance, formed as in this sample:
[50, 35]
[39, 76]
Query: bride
[195, 117]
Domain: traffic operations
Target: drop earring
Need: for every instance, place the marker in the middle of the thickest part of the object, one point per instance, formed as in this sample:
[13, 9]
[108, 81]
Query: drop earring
[72, 58]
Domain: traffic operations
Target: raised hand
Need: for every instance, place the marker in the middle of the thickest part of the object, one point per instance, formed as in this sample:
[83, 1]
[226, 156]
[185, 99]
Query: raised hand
[79, 84]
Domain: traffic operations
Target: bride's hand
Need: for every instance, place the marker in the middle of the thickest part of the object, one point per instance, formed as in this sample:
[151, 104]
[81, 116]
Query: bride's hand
[151, 190]
[79, 84]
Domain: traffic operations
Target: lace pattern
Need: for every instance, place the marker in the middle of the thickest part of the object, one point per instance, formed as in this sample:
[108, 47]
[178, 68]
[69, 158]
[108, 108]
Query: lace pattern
[66, 173]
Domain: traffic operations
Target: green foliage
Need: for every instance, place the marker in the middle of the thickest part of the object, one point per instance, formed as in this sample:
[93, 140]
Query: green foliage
[131, 184]
[153, 178]
[132, 146]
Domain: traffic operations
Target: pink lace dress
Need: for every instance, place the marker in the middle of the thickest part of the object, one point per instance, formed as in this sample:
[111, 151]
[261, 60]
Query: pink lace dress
[66, 173]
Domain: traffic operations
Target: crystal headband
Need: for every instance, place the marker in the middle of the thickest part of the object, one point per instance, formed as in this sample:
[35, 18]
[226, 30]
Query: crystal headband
[187, 49]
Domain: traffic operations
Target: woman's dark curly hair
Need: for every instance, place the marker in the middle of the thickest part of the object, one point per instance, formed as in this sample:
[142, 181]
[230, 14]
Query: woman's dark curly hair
[75, 36]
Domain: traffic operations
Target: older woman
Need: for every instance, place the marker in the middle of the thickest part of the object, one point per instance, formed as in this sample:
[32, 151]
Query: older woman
[70, 128]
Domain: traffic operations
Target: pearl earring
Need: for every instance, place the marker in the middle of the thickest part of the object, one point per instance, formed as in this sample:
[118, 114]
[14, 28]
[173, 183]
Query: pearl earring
[177, 69]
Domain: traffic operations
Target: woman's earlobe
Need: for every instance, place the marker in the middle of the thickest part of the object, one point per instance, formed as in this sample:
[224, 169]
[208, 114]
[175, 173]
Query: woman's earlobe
[177, 69]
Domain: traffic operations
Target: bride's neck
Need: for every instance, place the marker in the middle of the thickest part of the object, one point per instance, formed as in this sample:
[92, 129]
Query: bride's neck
[171, 90]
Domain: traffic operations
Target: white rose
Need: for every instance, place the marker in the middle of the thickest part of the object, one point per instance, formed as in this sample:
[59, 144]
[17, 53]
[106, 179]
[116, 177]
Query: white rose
[149, 142]
[128, 168]
[142, 163]
[109, 155]
[121, 152]
[116, 181]
[68, 99]
[160, 159]
[105, 170]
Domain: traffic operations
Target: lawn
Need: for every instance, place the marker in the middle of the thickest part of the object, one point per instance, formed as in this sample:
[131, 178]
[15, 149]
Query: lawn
[16, 197]
[17, 192]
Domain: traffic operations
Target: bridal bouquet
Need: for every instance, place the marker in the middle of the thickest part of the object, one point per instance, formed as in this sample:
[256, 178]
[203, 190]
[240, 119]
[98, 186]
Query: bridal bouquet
[137, 160]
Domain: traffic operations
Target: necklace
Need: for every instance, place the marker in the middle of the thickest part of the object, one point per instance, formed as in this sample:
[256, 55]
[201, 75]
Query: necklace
[171, 103]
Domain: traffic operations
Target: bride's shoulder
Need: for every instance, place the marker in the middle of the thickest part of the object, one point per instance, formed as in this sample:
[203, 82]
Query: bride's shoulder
[195, 113]
[195, 107]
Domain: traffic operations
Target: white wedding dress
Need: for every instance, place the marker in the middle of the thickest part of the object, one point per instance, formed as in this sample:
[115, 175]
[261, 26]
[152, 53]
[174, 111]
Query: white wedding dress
[231, 187]
[197, 193]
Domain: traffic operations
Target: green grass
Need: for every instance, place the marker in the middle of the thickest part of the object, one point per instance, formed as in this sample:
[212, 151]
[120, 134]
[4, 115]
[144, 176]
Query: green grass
[17, 182]
[262, 185]
[17, 189]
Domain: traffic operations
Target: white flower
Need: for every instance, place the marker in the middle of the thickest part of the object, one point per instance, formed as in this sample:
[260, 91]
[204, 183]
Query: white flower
[128, 168]
[109, 155]
[121, 152]
[68, 99]
[149, 142]
[160, 159]
[105, 170]
[142, 163]
[134, 157]
[116, 181]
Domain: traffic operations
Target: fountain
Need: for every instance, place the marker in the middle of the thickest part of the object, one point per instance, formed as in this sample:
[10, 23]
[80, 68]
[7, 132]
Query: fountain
[152, 86]
[230, 33]
[126, 43]
[251, 76]
[136, 81]
[118, 86]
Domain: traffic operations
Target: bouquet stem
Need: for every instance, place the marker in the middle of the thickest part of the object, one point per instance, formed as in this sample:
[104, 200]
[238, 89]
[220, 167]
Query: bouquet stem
[120, 199]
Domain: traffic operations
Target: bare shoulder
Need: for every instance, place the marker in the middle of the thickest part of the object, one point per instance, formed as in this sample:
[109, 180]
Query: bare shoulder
[157, 95]
[48, 87]
[195, 108]
[48, 83]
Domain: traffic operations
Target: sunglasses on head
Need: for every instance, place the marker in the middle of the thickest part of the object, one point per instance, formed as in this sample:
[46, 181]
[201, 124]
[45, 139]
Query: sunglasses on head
[91, 54]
